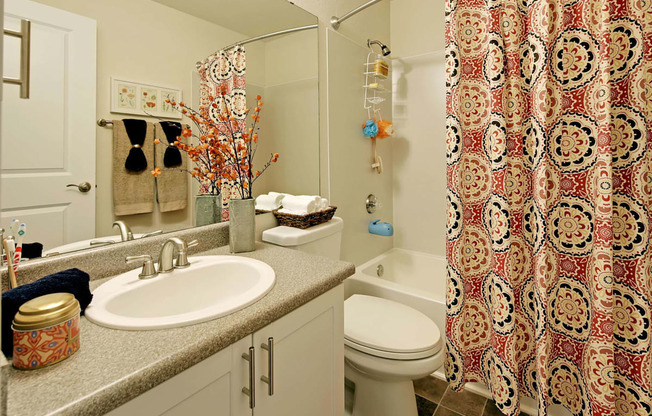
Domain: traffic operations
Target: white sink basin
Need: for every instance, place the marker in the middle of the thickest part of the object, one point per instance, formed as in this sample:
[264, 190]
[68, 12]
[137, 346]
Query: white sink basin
[213, 286]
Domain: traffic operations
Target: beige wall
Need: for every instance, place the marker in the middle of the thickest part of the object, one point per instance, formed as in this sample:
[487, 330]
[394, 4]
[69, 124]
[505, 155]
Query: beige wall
[144, 41]
[419, 149]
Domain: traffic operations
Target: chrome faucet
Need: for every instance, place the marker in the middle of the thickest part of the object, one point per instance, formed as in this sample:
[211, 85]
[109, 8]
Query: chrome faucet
[166, 261]
[125, 231]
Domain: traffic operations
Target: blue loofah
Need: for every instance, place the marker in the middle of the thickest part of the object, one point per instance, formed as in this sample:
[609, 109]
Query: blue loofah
[370, 129]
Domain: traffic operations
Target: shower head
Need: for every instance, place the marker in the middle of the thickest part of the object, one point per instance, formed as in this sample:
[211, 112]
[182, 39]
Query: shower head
[383, 47]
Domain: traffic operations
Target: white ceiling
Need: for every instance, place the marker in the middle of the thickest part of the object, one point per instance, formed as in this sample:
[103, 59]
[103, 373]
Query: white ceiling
[250, 17]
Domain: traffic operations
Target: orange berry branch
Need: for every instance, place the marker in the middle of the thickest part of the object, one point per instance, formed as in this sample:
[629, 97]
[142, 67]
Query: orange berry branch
[223, 150]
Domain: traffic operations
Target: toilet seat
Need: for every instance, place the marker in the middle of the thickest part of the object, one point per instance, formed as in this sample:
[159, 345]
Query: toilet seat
[388, 329]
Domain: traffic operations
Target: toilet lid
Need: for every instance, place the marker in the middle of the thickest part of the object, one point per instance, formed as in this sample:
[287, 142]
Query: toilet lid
[389, 329]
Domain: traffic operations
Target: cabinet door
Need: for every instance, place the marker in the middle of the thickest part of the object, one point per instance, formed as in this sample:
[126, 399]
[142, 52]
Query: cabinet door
[207, 388]
[308, 360]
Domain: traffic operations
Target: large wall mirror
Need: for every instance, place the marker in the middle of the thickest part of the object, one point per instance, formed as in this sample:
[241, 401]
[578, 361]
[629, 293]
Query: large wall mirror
[53, 140]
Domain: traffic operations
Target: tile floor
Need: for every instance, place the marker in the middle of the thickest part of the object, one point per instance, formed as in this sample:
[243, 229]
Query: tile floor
[434, 398]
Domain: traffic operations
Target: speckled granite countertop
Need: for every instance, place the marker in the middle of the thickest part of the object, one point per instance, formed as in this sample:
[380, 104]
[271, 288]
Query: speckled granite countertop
[114, 366]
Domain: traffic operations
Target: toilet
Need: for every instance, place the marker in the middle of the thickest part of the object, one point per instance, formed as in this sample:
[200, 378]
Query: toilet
[387, 345]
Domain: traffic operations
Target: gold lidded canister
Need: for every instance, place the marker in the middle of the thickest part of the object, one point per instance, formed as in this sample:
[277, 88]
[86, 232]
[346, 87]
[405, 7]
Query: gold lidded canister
[45, 311]
[46, 331]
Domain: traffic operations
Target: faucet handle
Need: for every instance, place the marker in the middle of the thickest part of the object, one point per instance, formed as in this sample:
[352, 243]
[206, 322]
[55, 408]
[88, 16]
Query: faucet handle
[182, 257]
[149, 270]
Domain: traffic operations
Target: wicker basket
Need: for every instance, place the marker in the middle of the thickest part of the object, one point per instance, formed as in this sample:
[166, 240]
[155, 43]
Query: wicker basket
[305, 221]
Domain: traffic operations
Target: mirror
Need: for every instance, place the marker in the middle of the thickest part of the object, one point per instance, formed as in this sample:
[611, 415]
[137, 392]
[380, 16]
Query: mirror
[46, 139]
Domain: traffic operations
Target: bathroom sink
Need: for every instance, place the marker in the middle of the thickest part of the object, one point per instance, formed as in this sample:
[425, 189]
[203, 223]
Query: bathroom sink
[212, 287]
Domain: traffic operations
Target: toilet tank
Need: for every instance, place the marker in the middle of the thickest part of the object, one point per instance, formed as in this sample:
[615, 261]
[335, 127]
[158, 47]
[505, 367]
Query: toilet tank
[323, 239]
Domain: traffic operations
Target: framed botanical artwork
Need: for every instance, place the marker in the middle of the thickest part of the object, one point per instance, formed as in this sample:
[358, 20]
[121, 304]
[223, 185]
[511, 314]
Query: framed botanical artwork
[129, 97]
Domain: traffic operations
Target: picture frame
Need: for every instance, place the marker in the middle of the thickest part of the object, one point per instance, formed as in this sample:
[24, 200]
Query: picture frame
[131, 97]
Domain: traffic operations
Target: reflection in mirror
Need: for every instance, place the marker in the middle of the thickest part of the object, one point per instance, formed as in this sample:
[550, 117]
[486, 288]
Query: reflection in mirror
[51, 143]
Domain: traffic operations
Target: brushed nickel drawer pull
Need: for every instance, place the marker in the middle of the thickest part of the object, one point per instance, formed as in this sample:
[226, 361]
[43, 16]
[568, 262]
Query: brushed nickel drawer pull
[269, 378]
[251, 391]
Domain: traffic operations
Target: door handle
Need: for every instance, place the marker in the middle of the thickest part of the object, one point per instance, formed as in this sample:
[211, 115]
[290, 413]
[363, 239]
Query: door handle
[251, 391]
[269, 378]
[24, 35]
[82, 187]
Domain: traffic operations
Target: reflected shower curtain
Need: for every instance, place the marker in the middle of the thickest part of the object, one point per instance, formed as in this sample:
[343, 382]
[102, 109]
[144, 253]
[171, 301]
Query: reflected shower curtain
[549, 151]
[225, 71]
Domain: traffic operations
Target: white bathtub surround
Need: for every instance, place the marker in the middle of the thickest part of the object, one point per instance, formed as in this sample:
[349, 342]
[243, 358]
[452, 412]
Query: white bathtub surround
[419, 149]
[351, 177]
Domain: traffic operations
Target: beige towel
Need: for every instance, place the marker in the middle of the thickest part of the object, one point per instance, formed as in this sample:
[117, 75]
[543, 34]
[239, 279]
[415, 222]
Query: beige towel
[172, 183]
[133, 192]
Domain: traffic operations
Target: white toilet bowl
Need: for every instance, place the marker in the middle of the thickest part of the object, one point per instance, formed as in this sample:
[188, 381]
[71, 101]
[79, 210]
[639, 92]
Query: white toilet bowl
[386, 346]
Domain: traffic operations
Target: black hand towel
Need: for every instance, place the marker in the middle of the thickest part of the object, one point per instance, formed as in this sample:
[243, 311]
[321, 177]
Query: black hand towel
[72, 281]
[136, 130]
[172, 157]
[32, 250]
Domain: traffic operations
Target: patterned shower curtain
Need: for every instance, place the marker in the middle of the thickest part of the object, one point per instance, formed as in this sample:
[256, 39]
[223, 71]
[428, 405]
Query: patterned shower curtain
[549, 136]
[225, 71]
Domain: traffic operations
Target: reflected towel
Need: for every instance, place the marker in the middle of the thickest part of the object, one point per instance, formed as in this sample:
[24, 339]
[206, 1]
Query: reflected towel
[268, 202]
[133, 192]
[172, 183]
[72, 281]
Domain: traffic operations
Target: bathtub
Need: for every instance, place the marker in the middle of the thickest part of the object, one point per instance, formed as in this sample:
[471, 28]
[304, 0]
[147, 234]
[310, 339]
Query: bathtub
[409, 277]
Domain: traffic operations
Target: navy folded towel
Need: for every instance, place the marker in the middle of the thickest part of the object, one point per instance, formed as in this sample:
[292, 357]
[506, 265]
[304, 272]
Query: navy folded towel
[72, 281]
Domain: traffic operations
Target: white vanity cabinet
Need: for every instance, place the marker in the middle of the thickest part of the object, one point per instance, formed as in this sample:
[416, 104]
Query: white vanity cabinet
[307, 356]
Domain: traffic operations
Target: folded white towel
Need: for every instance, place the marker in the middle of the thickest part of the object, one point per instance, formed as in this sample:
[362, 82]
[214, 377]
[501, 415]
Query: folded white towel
[268, 202]
[322, 203]
[288, 211]
[278, 195]
[298, 205]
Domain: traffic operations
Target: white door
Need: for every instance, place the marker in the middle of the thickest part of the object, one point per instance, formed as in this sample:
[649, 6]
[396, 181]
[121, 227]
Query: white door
[308, 359]
[48, 140]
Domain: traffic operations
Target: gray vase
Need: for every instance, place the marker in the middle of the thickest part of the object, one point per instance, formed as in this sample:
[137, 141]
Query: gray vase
[208, 209]
[242, 225]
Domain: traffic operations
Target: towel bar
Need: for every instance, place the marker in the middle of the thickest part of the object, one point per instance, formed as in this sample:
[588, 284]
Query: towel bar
[102, 122]
[24, 35]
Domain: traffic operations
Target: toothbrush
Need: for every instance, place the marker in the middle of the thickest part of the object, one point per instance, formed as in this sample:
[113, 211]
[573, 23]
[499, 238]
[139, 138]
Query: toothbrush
[11, 234]
[19, 246]
[9, 249]
[13, 228]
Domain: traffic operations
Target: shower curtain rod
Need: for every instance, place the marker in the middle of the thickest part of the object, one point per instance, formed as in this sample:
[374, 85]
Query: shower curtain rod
[268, 35]
[335, 21]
